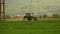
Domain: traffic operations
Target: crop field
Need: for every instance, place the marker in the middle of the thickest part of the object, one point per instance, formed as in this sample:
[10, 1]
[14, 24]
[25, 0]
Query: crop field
[30, 27]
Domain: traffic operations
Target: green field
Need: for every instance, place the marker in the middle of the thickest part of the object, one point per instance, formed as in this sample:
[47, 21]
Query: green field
[30, 27]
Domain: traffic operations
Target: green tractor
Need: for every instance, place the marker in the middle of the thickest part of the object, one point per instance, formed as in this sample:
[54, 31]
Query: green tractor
[29, 17]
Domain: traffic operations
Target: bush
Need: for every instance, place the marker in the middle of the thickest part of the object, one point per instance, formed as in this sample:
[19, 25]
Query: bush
[7, 16]
[55, 16]
[44, 16]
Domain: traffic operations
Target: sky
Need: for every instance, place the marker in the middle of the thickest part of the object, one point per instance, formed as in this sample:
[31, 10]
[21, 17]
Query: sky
[13, 7]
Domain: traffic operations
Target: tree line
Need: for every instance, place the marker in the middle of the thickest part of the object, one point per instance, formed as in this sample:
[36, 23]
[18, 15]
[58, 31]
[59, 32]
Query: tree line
[29, 17]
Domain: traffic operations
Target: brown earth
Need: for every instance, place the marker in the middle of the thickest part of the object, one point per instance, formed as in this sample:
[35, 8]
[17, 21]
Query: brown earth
[21, 19]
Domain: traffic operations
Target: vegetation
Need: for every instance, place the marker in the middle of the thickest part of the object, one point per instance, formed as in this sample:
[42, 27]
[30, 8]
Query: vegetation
[30, 27]
[55, 15]
[8, 16]
[44, 16]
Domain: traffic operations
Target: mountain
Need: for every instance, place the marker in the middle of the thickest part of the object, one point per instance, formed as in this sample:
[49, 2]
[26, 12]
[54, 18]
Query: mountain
[14, 7]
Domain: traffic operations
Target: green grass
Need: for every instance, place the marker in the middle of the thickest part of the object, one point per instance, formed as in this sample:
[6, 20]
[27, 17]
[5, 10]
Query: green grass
[30, 27]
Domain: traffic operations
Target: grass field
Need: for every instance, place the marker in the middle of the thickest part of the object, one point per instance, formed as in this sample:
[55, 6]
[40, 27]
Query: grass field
[30, 27]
